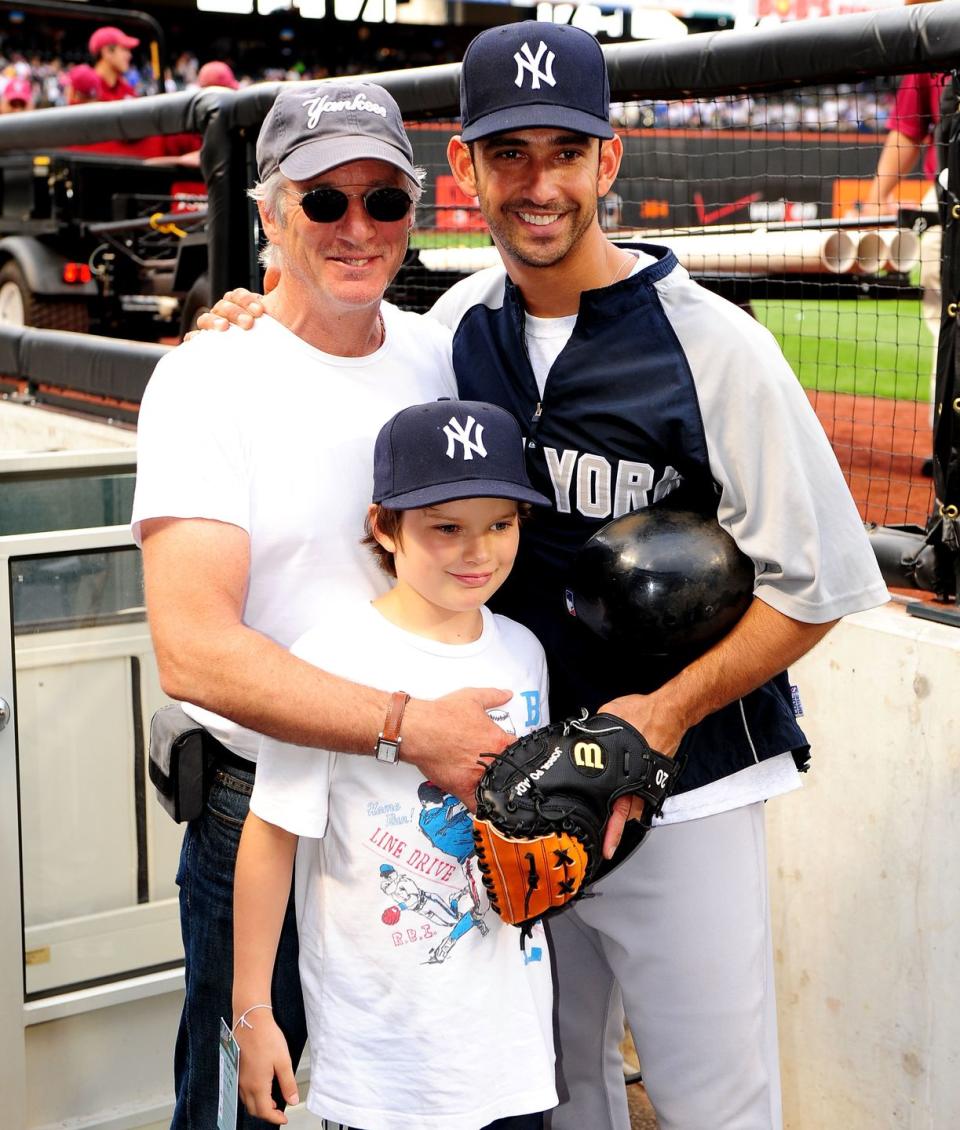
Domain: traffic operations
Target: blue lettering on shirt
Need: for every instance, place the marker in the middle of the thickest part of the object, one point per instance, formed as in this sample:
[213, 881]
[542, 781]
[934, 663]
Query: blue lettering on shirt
[533, 708]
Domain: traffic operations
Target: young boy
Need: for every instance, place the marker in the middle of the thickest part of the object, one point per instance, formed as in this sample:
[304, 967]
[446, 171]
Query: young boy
[406, 971]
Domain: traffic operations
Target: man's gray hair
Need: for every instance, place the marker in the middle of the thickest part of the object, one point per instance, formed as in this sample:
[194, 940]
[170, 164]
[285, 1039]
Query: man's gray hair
[272, 192]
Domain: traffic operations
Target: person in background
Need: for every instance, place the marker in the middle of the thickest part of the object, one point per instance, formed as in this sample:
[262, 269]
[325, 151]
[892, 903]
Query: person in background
[911, 139]
[17, 96]
[110, 49]
[217, 73]
[82, 85]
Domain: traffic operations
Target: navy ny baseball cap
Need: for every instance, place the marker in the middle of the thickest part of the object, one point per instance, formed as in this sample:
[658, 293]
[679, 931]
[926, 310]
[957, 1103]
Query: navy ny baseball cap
[450, 449]
[531, 75]
[313, 127]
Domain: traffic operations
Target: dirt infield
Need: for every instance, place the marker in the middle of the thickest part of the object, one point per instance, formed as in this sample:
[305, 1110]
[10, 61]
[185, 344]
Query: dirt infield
[881, 446]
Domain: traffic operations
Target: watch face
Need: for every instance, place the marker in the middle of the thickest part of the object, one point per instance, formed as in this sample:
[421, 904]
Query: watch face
[387, 751]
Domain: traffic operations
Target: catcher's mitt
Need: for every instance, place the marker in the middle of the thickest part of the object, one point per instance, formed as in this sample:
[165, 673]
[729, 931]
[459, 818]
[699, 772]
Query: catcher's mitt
[542, 805]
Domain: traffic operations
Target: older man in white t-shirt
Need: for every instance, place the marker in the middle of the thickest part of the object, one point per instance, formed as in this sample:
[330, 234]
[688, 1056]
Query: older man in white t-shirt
[255, 458]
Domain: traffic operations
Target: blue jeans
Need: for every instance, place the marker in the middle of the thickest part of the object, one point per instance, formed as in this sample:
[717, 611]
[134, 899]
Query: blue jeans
[205, 878]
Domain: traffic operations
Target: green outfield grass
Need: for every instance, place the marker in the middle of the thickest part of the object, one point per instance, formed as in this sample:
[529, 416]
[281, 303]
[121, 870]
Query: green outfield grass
[871, 348]
[430, 239]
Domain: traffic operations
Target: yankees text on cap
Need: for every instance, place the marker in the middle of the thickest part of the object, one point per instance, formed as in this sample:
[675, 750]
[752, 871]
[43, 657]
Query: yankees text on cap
[450, 449]
[531, 75]
[311, 128]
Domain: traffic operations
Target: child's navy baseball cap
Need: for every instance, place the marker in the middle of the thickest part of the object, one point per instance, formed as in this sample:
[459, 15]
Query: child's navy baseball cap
[532, 75]
[450, 449]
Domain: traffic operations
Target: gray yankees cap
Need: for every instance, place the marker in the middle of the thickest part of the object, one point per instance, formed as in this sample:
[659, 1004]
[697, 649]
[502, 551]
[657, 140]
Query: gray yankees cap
[450, 449]
[313, 127]
[531, 75]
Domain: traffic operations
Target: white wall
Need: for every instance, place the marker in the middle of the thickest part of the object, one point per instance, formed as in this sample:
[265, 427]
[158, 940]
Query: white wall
[865, 894]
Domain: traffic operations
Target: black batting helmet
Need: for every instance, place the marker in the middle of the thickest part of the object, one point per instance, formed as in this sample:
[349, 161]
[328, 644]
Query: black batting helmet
[661, 581]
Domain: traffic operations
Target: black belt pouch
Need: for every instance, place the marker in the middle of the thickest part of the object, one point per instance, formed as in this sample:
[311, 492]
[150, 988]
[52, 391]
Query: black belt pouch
[181, 761]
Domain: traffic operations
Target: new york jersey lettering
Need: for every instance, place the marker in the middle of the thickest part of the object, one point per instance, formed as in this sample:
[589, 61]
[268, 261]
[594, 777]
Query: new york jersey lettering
[589, 483]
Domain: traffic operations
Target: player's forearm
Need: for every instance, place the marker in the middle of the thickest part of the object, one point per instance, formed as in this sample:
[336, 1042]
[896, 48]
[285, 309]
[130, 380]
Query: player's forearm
[763, 644]
[261, 890]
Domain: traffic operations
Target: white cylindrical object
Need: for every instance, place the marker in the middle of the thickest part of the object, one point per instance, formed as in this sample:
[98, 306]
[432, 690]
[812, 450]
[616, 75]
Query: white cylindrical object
[463, 260]
[903, 249]
[766, 252]
[760, 252]
[711, 252]
[809, 251]
[872, 252]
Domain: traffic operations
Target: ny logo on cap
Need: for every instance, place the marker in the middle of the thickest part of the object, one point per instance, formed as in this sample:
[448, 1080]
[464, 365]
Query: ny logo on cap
[460, 433]
[527, 61]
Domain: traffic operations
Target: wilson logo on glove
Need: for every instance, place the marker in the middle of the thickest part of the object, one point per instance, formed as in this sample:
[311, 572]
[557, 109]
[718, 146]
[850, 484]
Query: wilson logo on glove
[540, 815]
[588, 755]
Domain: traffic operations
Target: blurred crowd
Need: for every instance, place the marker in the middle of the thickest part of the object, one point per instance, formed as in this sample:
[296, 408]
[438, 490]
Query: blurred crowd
[843, 108]
[112, 73]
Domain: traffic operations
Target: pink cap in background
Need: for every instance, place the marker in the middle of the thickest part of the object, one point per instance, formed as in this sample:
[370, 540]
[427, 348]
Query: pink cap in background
[216, 73]
[110, 37]
[19, 90]
[84, 81]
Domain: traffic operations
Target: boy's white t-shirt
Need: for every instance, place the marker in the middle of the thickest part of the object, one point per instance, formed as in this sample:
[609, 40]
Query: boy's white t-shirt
[406, 970]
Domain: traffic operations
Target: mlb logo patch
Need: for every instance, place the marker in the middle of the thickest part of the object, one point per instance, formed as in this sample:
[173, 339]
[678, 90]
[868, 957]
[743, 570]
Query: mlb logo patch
[570, 602]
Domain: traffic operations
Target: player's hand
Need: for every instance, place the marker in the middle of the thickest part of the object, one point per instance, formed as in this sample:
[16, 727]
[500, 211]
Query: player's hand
[624, 808]
[662, 730]
[263, 1055]
[446, 737]
[237, 308]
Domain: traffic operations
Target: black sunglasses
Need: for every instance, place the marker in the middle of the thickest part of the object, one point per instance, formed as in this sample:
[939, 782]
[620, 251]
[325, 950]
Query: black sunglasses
[325, 205]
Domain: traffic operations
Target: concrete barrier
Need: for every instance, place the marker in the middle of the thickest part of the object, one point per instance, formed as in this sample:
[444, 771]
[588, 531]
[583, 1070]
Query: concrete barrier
[864, 889]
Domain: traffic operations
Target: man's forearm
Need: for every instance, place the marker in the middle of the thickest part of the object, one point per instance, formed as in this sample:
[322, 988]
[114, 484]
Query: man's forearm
[897, 159]
[766, 643]
[196, 575]
[762, 644]
[248, 678]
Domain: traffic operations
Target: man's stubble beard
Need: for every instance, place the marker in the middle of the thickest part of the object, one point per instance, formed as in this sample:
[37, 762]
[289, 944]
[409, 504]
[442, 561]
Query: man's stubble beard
[550, 257]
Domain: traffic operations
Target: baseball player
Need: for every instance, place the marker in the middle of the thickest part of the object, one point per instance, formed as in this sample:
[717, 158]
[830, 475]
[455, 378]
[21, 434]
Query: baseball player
[404, 972]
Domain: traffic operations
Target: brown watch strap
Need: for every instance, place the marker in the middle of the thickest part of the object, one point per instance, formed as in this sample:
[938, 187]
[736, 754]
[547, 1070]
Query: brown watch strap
[387, 748]
[391, 727]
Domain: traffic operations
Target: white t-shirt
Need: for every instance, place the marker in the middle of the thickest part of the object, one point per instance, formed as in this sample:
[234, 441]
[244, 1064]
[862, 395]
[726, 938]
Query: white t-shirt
[406, 970]
[546, 337]
[260, 430]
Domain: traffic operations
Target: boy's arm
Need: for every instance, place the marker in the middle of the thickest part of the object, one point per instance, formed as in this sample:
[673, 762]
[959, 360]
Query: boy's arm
[261, 890]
